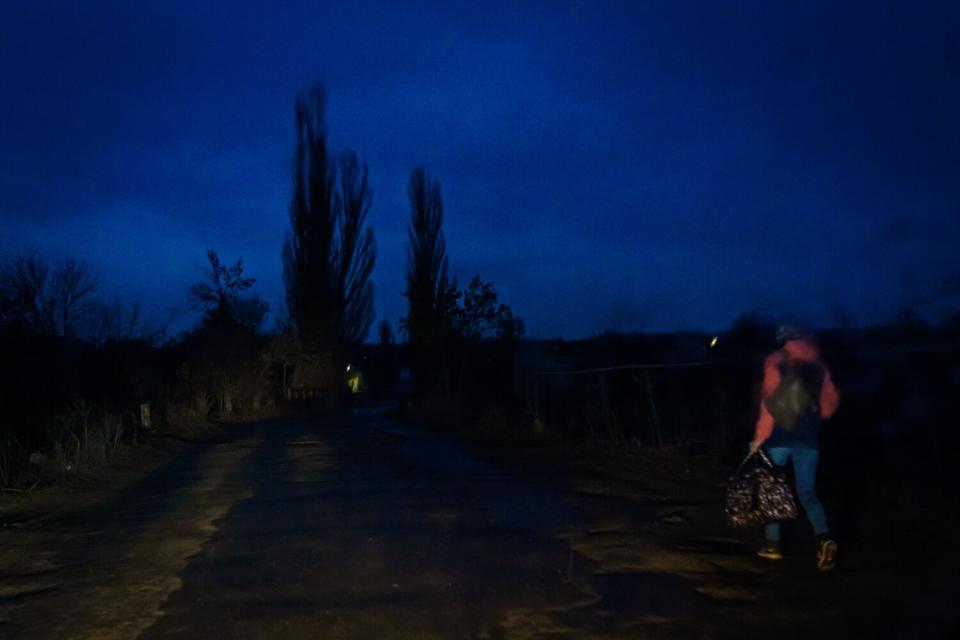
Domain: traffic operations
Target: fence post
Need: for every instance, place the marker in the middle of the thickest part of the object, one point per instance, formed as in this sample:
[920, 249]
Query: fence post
[606, 415]
[145, 415]
[657, 433]
[538, 426]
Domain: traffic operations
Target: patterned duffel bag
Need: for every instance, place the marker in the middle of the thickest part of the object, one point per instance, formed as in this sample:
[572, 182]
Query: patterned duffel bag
[759, 493]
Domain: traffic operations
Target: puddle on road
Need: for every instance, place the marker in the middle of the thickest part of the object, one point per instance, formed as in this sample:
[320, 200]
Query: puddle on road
[628, 552]
[618, 602]
[716, 546]
[661, 595]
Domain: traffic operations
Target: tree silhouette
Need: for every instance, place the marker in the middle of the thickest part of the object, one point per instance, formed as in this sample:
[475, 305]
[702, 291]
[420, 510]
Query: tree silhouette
[307, 272]
[218, 296]
[427, 262]
[23, 291]
[481, 317]
[250, 312]
[474, 313]
[386, 333]
[73, 286]
[36, 298]
[118, 321]
[355, 255]
[428, 319]
[328, 255]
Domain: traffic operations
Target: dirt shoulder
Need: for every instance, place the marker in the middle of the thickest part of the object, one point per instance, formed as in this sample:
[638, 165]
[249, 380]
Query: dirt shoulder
[96, 555]
[90, 488]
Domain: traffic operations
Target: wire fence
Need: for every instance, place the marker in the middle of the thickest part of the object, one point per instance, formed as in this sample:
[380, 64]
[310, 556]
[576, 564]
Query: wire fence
[892, 398]
[649, 404]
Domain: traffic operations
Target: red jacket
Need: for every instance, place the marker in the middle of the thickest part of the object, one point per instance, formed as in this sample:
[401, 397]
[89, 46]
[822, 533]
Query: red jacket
[801, 350]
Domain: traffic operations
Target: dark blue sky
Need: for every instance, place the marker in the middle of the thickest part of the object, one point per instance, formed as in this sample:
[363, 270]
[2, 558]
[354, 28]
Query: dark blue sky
[643, 165]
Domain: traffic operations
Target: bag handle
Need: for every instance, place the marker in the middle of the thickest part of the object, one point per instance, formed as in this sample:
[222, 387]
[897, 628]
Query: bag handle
[740, 467]
[763, 457]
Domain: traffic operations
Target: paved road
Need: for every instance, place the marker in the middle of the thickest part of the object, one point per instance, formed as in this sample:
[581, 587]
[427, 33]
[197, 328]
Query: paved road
[362, 528]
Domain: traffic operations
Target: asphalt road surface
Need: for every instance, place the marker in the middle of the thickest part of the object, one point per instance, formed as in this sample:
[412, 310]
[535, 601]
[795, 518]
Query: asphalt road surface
[358, 527]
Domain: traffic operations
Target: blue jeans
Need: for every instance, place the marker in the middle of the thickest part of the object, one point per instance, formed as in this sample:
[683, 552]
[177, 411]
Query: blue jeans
[805, 475]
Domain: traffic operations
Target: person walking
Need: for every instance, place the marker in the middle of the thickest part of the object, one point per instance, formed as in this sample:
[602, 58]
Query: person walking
[797, 395]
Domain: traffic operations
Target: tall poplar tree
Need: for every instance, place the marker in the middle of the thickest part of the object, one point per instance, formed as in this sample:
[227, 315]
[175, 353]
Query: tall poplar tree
[328, 254]
[427, 284]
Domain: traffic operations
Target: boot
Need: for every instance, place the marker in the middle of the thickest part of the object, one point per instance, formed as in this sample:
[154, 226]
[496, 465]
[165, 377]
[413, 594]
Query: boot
[826, 553]
[770, 550]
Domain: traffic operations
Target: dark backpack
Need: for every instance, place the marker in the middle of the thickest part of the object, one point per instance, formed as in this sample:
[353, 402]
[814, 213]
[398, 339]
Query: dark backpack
[798, 393]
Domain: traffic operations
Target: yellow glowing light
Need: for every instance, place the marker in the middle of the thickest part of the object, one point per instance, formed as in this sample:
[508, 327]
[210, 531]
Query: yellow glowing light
[713, 342]
[348, 367]
[355, 383]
